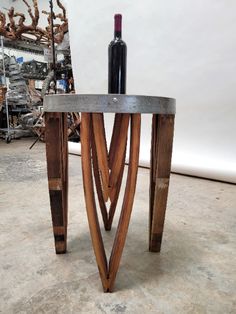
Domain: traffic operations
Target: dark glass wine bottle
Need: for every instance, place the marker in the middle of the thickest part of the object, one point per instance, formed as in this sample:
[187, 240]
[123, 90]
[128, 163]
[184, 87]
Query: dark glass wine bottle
[117, 53]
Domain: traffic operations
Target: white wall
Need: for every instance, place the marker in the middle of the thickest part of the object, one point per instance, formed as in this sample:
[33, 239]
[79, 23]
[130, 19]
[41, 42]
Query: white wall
[179, 48]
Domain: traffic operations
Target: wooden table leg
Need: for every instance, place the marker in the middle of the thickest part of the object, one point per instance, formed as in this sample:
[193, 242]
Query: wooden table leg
[98, 183]
[57, 166]
[86, 128]
[128, 200]
[108, 172]
[88, 146]
[161, 152]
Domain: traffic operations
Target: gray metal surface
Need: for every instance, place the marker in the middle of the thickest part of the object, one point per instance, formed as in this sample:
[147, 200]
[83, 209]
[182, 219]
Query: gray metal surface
[109, 103]
[25, 44]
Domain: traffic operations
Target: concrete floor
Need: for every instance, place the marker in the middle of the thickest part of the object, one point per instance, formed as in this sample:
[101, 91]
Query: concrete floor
[195, 272]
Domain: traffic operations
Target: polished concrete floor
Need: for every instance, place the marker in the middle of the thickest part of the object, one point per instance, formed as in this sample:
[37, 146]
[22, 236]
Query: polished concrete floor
[194, 273]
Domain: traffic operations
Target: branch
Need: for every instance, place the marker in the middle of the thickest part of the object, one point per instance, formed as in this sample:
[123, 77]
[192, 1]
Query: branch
[5, 29]
[2, 24]
[11, 14]
[36, 12]
[15, 30]
[35, 16]
[64, 18]
[49, 16]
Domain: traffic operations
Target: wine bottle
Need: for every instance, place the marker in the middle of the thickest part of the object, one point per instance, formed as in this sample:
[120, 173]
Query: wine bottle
[117, 53]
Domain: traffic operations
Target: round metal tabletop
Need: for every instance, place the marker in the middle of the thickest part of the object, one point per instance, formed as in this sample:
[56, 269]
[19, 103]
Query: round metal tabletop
[109, 103]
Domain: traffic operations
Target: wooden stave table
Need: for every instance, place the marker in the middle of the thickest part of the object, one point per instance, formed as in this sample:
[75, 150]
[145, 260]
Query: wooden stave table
[93, 146]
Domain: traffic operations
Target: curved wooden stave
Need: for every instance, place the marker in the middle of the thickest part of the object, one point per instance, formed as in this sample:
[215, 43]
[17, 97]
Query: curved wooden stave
[57, 169]
[102, 153]
[117, 161]
[116, 165]
[98, 184]
[112, 208]
[123, 224]
[107, 216]
[90, 201]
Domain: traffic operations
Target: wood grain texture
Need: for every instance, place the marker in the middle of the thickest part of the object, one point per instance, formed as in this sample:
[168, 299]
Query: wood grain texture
[90, 201]
[102, 153]
[57, 169]
[108, 274]
[116, 195]
[117, 161]
[152, 170]
[161, 153]
[123, 225]
[107, 214]
[116, 166]
[98, 183]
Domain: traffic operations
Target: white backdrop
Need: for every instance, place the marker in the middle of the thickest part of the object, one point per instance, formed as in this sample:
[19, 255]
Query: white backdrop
[176, 48]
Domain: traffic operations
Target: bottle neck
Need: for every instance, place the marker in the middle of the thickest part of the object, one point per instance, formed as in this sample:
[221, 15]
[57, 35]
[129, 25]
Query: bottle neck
[117, 35]
[117, 26]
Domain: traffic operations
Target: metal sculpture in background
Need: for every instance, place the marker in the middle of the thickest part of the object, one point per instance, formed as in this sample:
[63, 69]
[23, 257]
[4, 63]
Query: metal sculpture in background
[13, 24]
[18, 94]
[22, 96]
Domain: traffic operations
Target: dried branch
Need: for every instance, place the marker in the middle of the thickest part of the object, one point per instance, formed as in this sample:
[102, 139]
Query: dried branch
[3, 29]
[15, 29]
[11, 15]
[35, 16]
[63, 18]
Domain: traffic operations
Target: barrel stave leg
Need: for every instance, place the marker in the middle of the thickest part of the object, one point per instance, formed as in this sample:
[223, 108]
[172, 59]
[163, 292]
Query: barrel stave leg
[161, 152]
[57, 167]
